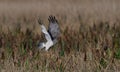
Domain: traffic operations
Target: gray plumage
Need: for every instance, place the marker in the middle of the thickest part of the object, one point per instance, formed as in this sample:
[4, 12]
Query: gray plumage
[51, 35]
[53, 28]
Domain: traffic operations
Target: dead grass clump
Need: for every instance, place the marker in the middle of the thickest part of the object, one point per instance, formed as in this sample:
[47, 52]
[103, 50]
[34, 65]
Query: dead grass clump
[91, 48]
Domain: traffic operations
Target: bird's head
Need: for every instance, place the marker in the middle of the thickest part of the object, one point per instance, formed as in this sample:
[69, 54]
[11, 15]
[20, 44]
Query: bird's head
[41, 45]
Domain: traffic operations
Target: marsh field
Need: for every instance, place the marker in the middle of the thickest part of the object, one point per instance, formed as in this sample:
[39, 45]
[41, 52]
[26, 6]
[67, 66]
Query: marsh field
[89, 41]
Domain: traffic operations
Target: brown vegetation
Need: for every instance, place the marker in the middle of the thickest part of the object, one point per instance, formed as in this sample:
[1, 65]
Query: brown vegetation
[89, 42]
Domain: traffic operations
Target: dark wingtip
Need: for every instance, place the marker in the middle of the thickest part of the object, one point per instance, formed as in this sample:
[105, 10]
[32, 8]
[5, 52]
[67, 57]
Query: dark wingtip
[52, 19]
[39, 21]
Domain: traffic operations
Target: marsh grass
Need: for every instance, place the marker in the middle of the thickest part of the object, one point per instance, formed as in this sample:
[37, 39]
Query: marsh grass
[89, 41]
[97, 45]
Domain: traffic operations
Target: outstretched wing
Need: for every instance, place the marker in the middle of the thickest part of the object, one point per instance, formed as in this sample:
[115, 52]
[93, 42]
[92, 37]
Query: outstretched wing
[53, 27]
[47, 35]
[44, 30]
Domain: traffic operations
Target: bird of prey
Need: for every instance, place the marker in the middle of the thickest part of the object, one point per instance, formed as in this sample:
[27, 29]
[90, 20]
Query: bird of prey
[51, 34]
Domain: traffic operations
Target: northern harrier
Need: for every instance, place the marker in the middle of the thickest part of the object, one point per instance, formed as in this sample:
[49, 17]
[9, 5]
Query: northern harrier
[51, 34]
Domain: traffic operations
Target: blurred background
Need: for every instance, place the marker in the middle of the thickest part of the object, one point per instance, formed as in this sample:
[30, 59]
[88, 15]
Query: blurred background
[68, 12]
